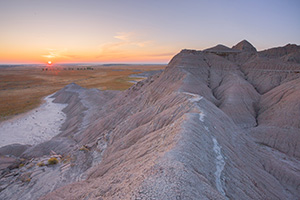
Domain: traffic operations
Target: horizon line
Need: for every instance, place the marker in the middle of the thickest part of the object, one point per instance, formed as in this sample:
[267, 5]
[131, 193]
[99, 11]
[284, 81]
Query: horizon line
[81, 63]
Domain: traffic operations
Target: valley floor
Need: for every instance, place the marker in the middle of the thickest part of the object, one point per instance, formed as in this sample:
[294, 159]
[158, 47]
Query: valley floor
[22, 88]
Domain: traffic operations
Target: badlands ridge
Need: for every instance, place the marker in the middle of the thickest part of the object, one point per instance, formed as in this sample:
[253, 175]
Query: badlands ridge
[223, 123]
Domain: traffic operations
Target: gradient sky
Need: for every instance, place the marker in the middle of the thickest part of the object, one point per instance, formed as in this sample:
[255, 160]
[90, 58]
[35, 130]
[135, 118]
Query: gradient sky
[106, 31]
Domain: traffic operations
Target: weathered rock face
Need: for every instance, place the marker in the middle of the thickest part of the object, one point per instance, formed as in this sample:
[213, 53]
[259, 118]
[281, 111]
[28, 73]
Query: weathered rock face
[289, 52]
[213, 125]
[244, 46]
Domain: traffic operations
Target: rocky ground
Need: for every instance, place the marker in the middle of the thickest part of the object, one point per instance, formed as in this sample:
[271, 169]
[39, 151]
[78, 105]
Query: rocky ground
[222, 123]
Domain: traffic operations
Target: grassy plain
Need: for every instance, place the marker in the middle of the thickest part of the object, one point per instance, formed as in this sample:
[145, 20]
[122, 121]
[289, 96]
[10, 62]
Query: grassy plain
[23, 87]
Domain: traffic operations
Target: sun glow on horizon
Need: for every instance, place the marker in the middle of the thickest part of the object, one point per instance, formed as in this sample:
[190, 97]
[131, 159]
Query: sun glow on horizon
[130, 32]
[49, 62]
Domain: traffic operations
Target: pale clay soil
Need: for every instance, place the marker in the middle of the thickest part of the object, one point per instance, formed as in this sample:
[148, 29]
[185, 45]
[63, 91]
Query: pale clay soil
[35, 126]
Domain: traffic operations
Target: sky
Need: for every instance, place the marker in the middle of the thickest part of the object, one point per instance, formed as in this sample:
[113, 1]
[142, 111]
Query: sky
[138, 31]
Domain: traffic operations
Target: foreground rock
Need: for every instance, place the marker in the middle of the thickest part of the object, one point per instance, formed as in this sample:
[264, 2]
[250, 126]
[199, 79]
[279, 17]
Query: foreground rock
[216, 124]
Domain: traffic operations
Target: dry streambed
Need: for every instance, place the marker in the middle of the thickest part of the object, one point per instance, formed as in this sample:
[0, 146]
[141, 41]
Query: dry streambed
[34, 127]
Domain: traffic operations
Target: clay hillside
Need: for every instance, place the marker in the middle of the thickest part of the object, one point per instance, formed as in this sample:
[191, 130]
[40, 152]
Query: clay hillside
[223, 123]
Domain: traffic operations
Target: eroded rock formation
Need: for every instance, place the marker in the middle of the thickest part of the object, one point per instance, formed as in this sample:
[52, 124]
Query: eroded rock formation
[216, 124]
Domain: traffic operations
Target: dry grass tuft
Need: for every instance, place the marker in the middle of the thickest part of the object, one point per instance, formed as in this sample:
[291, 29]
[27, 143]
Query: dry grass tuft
[40, 164]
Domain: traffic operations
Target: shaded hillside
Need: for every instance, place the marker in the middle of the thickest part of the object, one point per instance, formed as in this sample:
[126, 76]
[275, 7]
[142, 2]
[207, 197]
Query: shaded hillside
[290, 52]
[215, 124]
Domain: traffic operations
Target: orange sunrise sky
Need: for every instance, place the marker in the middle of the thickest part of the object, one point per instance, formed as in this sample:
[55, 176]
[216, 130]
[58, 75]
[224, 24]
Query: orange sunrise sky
[65, 31]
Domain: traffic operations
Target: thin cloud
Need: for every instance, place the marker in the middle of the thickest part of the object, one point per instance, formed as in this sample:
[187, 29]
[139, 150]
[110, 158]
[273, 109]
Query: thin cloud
[53, 53]
[125, 36]
[143, 44]
[126, 39]
[72, 56]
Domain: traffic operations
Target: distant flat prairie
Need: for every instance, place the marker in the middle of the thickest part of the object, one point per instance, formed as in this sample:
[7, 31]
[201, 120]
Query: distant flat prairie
[22, 87]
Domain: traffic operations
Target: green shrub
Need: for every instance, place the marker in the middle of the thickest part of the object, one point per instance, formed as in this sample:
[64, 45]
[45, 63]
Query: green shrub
[52, 161]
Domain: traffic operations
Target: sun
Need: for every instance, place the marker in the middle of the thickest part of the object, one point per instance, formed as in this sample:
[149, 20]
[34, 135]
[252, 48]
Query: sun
[49, 62]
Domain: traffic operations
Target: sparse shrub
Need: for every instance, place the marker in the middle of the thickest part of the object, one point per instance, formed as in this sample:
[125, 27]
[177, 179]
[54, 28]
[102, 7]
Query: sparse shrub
[27, 180]
[52, 161]
[41, 164]
[84, 148]
[25, 177]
